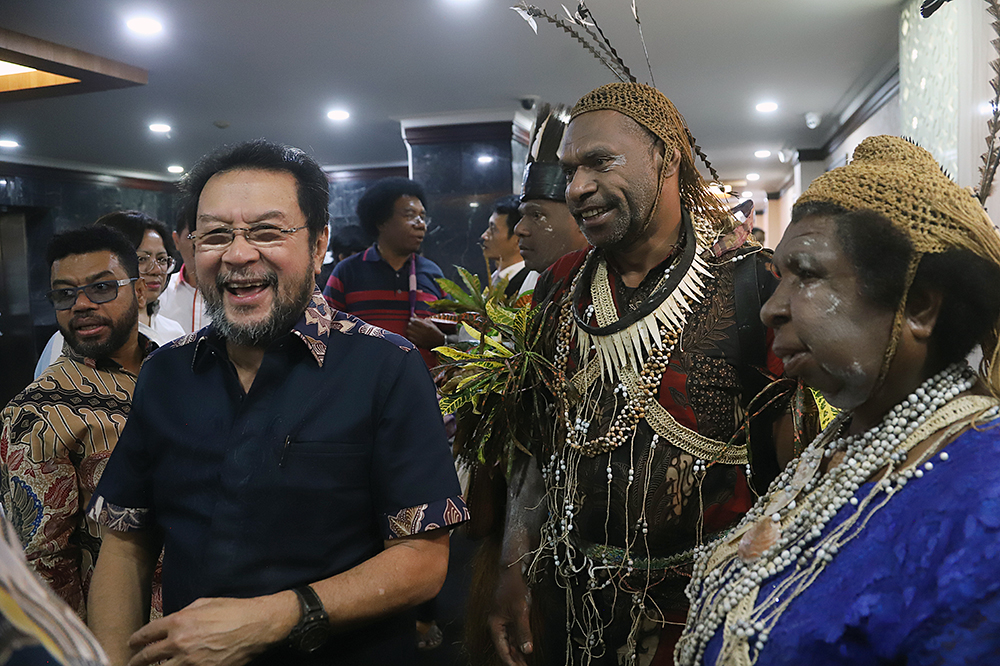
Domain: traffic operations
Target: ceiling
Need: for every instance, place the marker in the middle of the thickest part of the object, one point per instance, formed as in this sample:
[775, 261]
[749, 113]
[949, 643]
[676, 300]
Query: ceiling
[274, 69]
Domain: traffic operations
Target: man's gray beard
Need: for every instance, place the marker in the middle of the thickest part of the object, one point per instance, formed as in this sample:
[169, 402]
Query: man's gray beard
[279, 321]
[121, 329]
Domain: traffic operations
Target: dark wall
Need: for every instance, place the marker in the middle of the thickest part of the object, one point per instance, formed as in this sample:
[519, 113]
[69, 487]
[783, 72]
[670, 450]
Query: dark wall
[462, 190]
[346, 187]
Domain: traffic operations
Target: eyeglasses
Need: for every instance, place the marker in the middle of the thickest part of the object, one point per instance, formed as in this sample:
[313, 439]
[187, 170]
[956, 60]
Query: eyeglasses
[260, 235]
[147, 261]
[98, 292]
[411, 217]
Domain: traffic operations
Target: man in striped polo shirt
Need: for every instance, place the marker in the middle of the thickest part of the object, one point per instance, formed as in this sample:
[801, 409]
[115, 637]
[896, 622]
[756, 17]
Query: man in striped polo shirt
[389, 285]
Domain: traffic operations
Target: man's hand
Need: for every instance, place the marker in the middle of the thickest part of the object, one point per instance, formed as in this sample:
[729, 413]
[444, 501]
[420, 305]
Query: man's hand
[424, 334]
[216, 632]
[509, 618]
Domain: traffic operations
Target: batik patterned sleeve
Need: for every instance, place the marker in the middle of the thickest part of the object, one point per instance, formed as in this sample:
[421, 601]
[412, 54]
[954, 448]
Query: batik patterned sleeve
[416, 481]
[41, 495]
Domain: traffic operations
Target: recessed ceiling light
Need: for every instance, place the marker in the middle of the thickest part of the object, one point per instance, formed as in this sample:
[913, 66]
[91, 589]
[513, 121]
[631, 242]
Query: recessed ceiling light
[753, 176]
[747, 195]
[7, 143]
[485, 159]
[159, 127]
[474, 204]
[173, 168]
[338, 114]
[762, 154]
[144, 25]
[767, 107]
[12, 68]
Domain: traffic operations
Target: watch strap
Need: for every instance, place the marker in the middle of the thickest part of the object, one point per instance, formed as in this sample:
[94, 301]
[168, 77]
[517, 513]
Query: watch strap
[308, 600]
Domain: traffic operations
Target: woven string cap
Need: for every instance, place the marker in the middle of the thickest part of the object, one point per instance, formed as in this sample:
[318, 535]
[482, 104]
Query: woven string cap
[905, 184]
[650, 108]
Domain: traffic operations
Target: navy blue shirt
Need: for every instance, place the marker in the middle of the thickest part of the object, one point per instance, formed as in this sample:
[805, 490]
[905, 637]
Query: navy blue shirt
[338, 446]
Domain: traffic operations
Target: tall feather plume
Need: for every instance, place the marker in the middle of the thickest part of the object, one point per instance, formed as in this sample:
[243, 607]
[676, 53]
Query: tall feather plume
[638, 24]
[598, 51]
[991, 158]
[579, 18]
[585, 14]
[549, 128]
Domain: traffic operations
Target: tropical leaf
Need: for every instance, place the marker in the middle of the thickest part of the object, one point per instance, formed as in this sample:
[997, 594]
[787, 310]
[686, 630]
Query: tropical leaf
[454, 354]
[457, 294]
[475, 288]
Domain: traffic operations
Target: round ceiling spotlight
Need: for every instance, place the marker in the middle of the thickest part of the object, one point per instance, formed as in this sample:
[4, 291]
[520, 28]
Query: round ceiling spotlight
[8, 143]
[747, 194]
[159, 128]
[767, 107]
[485, 159]
[752, 177]
[338, 114]
[173, 168]
[762, 154]
[144, 25]
[813, 120]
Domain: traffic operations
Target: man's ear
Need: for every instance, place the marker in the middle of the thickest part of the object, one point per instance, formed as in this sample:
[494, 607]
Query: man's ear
[674, 165]
[319, 249]
[923, 306]
[140, 291]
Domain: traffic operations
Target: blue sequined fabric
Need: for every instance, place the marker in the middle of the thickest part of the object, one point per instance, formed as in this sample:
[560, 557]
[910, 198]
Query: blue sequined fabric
[921, 583]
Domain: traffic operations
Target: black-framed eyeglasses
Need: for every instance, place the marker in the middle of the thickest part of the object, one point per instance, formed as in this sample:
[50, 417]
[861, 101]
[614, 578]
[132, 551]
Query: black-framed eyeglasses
[147, 261]
[260, 235]
[97, 292]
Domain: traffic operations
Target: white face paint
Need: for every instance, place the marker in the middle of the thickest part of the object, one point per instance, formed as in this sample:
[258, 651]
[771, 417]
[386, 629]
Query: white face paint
[826, 332]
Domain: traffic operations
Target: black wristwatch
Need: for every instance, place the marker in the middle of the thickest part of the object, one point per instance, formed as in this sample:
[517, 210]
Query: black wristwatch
[313, 630]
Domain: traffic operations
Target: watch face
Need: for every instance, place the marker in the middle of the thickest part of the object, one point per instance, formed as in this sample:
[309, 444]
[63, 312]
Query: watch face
[314, 636]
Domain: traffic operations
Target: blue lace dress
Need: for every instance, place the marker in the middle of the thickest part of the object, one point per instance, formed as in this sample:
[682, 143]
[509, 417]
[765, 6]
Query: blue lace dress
[921, 583]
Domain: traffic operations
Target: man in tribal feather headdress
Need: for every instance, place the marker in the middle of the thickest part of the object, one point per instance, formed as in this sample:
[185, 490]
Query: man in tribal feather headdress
[657, 346]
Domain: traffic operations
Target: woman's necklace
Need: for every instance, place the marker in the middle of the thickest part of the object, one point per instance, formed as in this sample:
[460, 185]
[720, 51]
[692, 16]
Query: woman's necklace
[785, 530]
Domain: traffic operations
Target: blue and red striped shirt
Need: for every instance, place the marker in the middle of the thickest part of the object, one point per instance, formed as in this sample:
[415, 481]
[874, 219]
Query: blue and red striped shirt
[367, 287]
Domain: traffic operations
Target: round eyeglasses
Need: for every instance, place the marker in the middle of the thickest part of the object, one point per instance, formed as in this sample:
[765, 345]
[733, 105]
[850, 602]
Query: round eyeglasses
[98, 292]
[147, 262]
[260, 235]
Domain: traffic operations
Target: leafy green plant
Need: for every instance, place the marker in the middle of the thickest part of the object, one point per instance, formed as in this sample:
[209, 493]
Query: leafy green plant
[492, 383]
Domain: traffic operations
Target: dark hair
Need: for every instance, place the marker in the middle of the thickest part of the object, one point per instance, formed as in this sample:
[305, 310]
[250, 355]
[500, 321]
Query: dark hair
[511, 207]
[93, 239]
[263, 155]
[376, 205]
[184, 222]
[134, 224]
[348, 240]
[880, 254]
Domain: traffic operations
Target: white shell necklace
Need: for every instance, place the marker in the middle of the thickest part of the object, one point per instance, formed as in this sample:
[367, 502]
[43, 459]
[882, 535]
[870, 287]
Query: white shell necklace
[785, 529]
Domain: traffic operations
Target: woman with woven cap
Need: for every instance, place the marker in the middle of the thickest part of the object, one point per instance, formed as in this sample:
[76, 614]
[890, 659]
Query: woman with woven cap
[881, 542]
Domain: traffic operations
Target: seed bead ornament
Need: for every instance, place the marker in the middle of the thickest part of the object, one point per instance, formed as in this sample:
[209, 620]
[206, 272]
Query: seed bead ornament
[786, 529]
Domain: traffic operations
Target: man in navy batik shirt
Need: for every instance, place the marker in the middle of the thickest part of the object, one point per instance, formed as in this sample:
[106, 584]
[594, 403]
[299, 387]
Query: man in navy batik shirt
[290, 457]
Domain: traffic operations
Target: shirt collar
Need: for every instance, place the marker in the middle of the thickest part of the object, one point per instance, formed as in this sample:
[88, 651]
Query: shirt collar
[145, 344]
[372, 254]
[312, 329]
